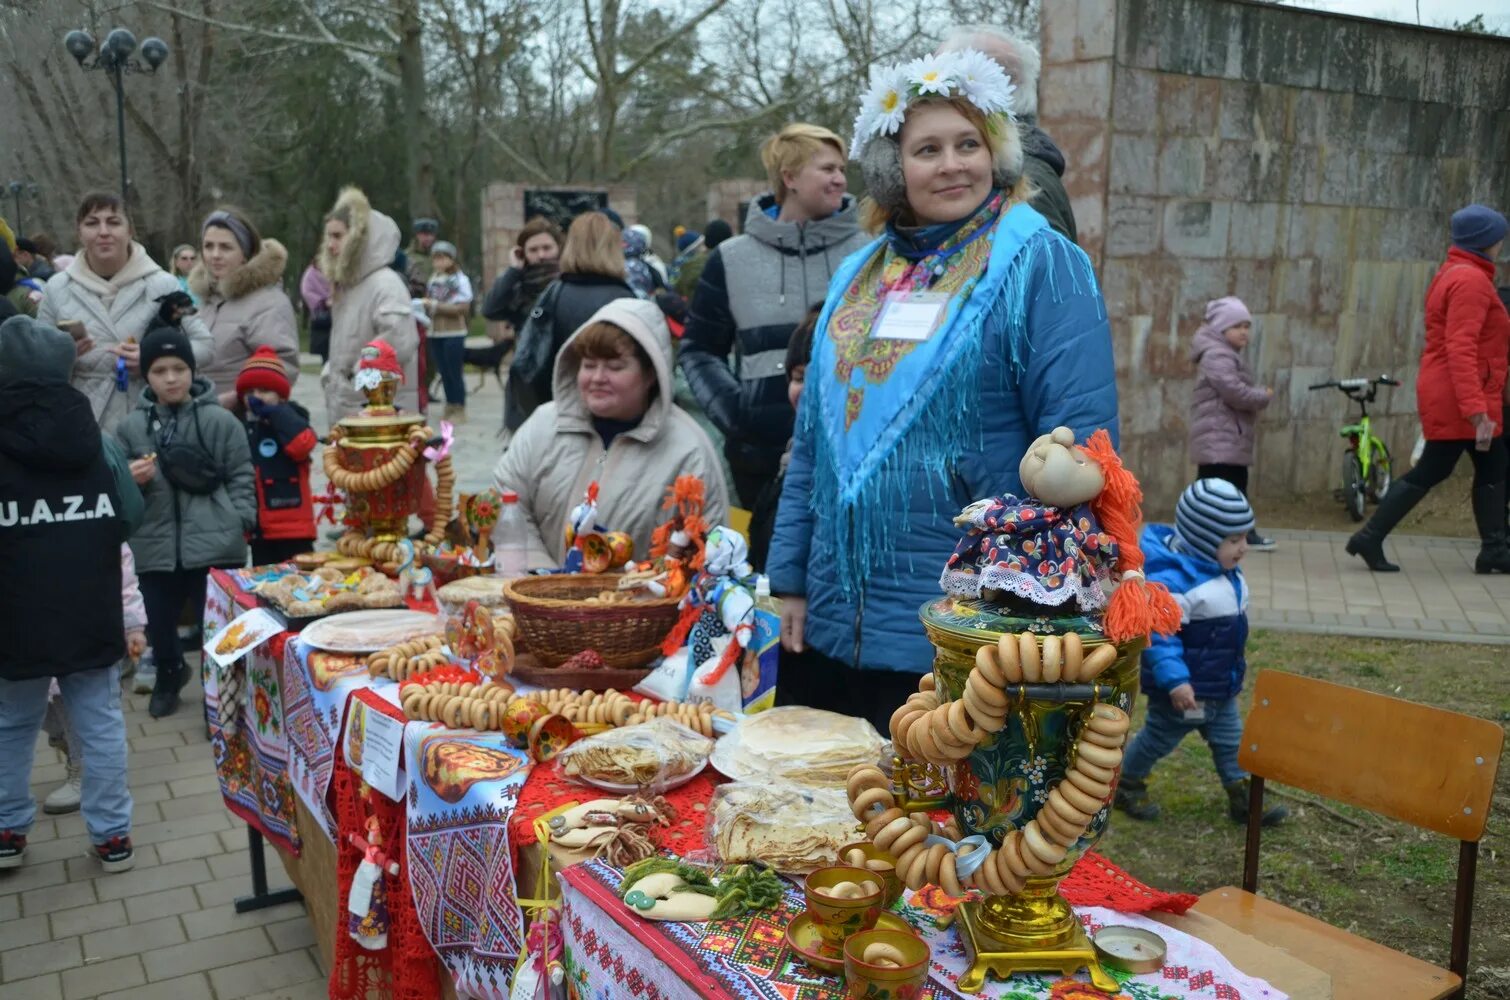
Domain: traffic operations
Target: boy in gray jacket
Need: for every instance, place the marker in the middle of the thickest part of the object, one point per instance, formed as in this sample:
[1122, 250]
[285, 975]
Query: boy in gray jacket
[191, 459]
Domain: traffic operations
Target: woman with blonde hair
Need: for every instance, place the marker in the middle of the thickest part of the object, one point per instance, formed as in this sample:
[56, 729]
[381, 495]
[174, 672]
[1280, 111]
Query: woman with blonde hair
[592, 275]
[910, 414]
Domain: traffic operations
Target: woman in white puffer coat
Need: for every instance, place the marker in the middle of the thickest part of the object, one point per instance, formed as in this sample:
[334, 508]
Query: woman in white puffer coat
[111, 289]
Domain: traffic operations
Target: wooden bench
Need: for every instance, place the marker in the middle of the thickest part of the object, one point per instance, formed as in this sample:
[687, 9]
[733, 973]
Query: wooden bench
[1425, 766]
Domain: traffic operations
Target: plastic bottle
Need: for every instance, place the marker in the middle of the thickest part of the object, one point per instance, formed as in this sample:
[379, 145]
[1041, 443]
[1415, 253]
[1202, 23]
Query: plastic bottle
[510, 539]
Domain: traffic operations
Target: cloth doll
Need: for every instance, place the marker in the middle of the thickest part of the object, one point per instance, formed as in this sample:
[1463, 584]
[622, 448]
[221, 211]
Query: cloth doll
[1070, 545]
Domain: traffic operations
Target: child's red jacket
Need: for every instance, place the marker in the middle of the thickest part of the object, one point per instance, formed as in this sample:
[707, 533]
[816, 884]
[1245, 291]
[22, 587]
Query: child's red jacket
[282, 442]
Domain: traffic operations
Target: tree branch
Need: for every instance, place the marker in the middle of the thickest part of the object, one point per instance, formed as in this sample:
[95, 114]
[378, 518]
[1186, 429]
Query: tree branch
[667, 138]
[669, 39]
[513, 154]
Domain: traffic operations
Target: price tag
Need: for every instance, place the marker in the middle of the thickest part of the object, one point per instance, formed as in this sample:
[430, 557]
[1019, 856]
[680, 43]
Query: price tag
[910, 316]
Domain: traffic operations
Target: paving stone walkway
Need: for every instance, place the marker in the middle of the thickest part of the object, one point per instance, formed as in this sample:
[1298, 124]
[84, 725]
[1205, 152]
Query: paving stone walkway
[167, 929]
[1310, 584]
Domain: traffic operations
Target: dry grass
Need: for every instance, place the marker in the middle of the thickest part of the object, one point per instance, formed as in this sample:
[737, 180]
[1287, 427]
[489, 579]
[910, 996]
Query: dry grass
[1386, 881]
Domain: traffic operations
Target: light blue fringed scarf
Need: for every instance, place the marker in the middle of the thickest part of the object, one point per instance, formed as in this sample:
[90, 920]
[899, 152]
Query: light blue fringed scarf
[880, 413]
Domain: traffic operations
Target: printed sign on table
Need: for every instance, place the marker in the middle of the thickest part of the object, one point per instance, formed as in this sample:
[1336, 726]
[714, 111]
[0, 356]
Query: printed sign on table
[241, 635]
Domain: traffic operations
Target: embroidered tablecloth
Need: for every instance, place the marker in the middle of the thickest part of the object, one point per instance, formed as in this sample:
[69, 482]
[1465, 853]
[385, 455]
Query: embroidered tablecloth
[462, 790]
[610, 953]
[252, 763]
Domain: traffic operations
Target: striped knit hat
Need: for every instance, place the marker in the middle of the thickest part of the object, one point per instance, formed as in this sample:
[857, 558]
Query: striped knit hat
[1209, 511]
[263, 370]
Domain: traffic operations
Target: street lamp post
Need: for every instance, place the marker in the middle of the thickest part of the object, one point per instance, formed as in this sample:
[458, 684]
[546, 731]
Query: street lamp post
[114, 57]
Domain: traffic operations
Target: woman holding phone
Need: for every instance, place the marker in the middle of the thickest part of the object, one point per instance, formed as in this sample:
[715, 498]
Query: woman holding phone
[107, 298]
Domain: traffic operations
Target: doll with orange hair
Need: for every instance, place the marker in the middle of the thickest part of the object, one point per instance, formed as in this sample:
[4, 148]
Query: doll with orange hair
[1069, 547]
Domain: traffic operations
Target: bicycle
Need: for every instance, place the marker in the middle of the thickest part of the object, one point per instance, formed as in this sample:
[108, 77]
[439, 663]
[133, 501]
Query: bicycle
[1365, 463]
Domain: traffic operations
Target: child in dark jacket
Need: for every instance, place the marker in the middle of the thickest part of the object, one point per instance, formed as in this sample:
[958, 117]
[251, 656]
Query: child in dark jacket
[763, 518]
[1192, 679]
[281, 442]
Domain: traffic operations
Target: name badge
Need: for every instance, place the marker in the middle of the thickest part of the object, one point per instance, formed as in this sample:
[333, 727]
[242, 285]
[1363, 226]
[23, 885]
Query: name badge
[910, 316]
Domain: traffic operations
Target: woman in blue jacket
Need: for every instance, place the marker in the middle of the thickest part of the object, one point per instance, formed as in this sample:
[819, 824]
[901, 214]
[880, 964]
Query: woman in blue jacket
[968, 328]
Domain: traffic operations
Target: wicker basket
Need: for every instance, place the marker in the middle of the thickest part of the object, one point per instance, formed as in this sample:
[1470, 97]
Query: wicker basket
[448, 568]
[557, 623]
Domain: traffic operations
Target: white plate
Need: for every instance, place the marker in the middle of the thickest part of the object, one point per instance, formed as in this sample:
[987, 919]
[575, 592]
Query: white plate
[369, 631]
[613, 786]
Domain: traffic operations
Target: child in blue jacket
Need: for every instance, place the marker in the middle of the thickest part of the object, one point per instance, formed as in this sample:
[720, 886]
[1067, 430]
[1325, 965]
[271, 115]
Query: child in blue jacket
[1192, 679]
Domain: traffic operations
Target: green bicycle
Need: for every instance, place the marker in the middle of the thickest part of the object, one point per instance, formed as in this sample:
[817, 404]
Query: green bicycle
[1365, 462]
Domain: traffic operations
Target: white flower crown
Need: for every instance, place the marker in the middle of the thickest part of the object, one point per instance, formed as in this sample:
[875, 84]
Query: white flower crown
[966, 73]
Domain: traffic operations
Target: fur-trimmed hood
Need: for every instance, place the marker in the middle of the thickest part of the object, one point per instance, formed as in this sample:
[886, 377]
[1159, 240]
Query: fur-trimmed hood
[265, 268]
[372, 240]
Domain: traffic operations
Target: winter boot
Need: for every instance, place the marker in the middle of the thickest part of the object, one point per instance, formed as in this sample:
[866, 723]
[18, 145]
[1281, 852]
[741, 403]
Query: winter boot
[1132, 798]
[1237, 805]
[1368, 541]
[1488, 512]
[165, 691]
[65, 798]
[1260, 543]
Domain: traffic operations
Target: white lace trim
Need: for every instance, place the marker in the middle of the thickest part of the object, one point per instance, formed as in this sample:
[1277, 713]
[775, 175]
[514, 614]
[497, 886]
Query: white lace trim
[969, 584]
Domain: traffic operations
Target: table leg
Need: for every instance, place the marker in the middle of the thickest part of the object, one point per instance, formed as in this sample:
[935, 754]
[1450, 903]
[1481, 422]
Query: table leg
[261, 899]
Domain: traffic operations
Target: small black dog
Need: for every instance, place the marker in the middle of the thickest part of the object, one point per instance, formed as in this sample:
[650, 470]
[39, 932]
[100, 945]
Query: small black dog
[171, 310]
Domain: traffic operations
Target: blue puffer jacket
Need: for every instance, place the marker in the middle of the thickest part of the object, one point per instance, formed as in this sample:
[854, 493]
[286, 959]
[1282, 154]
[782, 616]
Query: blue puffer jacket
[1207, 652]
[1068, 379]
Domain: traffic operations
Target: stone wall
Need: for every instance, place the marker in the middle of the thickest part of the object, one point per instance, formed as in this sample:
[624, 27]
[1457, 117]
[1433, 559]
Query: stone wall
[1305, 162]
[725, 197]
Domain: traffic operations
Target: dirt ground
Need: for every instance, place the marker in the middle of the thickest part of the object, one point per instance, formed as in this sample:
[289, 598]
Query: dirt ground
[1372, 876]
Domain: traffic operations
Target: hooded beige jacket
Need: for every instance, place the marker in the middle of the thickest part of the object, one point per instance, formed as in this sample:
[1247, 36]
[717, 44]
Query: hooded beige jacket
[557, 452]
[370, 302]
[113, 311]
[245, 310]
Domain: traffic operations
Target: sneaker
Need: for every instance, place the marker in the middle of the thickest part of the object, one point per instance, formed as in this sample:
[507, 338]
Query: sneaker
[65, 798]
[1261, 543]
[12, 849]
[116, 855]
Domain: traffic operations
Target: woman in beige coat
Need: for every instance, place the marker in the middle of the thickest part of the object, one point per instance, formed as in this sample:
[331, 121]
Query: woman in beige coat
[239, 286]
[612, 421]
[370, 302]
[107, 297]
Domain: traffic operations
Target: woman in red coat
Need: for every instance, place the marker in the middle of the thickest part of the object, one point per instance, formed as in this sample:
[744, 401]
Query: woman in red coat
[1460, 393]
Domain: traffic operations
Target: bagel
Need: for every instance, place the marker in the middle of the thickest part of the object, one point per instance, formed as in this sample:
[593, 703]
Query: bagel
[1074, 655]
[1011, 660]
[1098, 755]
[1053, 659]
[1103, 721]
[910, 838]
[1102, 740]
[1032, 661]
[1067, 812]
[1012, 849]
[1058, 829]
[1098, 790]
[869, 798]
[1009, 879]
[888, 836]
[1048, 853]
[988, 693]
[1098, 660]
[988, 664]
[948, 875]
[865, 776]
[879, 823]
[1106, 775]
[1081, 800]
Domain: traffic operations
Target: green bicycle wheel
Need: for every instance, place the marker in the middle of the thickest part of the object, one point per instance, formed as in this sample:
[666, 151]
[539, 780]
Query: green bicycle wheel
[1354, 489]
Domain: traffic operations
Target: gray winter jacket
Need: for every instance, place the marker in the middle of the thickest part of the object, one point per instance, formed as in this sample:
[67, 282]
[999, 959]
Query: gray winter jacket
[753, 292]
[183, 530]
[1224, 404]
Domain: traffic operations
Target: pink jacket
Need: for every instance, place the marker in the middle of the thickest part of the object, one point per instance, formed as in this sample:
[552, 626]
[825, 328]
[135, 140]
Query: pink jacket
[1224, 404]
[131, 595]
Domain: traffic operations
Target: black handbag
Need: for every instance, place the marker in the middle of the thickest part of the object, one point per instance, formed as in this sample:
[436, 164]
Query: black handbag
[534, 359]
[186, 466]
